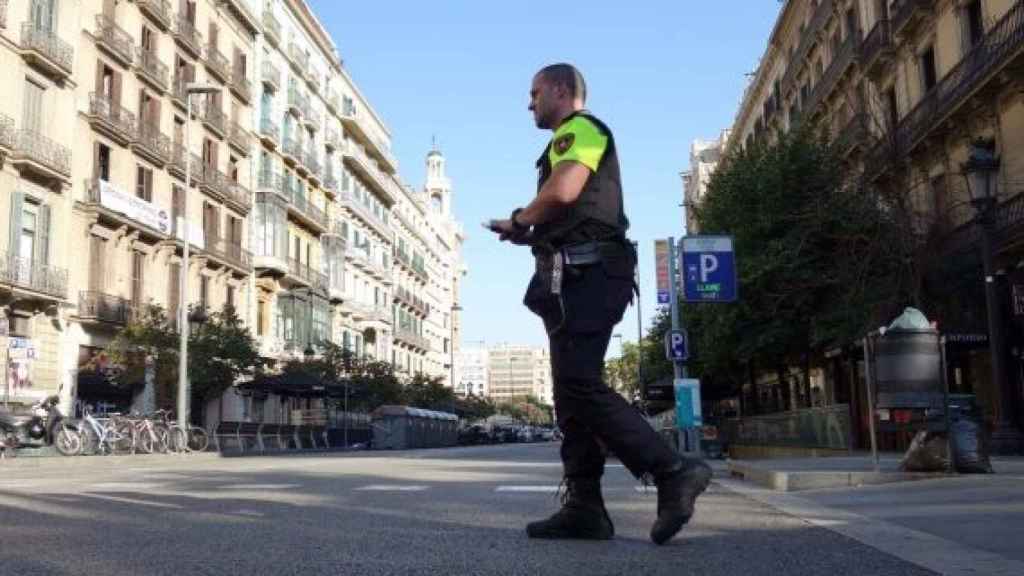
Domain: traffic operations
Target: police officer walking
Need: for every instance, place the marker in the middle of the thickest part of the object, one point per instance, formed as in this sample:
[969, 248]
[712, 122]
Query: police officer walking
[583, 282]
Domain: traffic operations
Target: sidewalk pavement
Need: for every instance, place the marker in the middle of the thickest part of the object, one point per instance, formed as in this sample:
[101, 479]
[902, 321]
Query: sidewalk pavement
[952, 524]
[794, 474]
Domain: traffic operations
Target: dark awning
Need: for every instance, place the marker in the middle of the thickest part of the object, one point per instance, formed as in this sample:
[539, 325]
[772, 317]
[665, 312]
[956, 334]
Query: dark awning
[294, 384]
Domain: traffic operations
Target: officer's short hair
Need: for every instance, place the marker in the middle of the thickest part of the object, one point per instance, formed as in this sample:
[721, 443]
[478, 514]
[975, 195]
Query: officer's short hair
[567, 76]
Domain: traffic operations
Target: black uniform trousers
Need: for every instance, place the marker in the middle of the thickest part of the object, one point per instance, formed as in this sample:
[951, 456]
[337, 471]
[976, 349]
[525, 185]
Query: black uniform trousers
[590, 414]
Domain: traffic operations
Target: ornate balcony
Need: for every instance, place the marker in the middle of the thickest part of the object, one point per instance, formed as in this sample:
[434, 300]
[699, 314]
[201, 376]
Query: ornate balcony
[229, 252]
[1001, 46]
[159, 11]
[38, 154]
[187, 36]
[907, 14]
[877, 50]
[241, 86]
[101, 307]
[111, 119]
[356, 158]
[239, 138]
[213, 118]
[271, 76]
[300, 273]
[214, 182]
[313, 166]
[313, 119]
[313, 79]
[270, 134]
[291, 150]
[238, 196]
[332, 100]
[841, 62]
[331, 139]
[217, 64]
[271, 28]
[405, 335]
[364, 213]
[152, 144]
[26, 274]
[299, 205]
[152, 70]
[3, 13]
[298, 103]
[47, 51]
[413, 302]
[114, 40]
[298, 58]
[807, 39]
[852, 135]
[7, 135]
[270, 181]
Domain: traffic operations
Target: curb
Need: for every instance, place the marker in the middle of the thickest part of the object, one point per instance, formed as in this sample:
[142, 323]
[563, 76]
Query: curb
[794, 481]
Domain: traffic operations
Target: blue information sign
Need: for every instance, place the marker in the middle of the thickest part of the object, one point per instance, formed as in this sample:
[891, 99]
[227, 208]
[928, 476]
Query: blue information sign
[676, 348]
[709, 269]
[688, 412]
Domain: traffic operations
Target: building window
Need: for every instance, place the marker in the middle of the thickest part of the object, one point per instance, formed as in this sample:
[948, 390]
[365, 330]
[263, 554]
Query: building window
[97, 252]
[33, 109]
[261, 318]
[204, 292]
[929, 76]
[144, 183]
[101, 169]
[138, 278]
[177, 203]
[974, 23]
[892, 106]
[229, 297]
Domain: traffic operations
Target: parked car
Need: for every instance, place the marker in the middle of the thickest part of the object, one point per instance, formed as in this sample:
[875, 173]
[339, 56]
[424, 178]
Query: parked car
[473, 435]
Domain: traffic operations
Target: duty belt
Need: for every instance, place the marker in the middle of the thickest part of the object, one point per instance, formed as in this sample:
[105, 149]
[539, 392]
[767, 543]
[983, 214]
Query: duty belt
[582, 254]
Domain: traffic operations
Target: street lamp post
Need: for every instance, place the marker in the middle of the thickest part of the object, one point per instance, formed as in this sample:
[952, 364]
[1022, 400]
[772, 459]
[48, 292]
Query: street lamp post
[183, 382]
[981, 172]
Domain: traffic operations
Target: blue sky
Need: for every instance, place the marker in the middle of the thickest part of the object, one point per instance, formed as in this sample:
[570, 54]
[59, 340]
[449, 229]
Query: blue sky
[659, 73]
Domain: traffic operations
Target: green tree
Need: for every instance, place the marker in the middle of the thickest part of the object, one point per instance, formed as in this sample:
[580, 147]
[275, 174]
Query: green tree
[429, 392]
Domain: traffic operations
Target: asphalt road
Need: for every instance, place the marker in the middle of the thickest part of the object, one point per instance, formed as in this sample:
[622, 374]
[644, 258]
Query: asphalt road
[455, 511]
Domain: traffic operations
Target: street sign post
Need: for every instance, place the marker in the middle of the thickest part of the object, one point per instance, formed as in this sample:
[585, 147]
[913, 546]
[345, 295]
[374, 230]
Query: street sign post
[661, 261]
[677, 347]
[709, 269]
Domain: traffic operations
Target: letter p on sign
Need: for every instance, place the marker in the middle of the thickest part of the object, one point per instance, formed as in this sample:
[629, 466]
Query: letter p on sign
[708, 265]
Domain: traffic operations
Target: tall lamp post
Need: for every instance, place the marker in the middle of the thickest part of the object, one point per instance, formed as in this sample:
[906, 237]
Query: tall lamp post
[183, 382]
[982, 174]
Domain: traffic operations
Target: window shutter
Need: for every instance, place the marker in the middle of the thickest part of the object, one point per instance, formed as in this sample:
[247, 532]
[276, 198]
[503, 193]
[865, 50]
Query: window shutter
[17, 203]
[115, 90]
[42, 245]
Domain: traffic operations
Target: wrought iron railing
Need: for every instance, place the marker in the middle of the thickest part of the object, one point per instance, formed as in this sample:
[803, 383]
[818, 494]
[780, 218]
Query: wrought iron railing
[269, 180]
[31, 275]
[185, 31]
[271, 27]
[153, 140]
[118, 117]
[271, 74]
[364, 212]
[292, 147]
[807, 39]
[877, 41]
[298, 100]
[230, 251]
[270, 129]
[298, 57]
[1004, 40]
[114, 38]
[903, 10]
[841, 61]
[3, 13]
[217, 63]
[153, 68]
[38, 148]
[158, 10]
[240, 85]
[406, 335]
[104, 307]
[47, 43]
[313, 164]
[299, 270]
[213, 117]
[7, 134]
[239, 136]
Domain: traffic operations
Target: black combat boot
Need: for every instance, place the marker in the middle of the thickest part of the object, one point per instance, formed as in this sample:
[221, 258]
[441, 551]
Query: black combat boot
[582, 516]
[677, 491]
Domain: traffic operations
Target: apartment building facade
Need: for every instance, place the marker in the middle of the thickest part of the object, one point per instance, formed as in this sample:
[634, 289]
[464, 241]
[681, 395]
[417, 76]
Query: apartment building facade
[288, 212]
[38, 56]
[904, 87]
[514, 371]
[704, 158]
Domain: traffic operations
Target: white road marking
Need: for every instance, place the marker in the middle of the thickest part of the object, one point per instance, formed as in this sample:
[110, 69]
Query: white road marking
[135, 501]
[124, 486]
[546, 489]
[260, 486]
[391, 488]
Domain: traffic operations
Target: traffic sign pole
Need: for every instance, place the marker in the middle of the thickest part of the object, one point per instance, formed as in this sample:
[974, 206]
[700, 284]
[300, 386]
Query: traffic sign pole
[688, 444]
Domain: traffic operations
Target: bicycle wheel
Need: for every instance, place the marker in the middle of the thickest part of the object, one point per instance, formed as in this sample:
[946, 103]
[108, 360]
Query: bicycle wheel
[178, 439]
[68, 442]
[146, 441]
[123, 438]
[90, 441]
[163, 441]
[198, 439]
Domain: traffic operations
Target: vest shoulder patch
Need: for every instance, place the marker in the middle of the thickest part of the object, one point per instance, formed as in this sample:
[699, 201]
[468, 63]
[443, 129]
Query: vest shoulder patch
[562, 144]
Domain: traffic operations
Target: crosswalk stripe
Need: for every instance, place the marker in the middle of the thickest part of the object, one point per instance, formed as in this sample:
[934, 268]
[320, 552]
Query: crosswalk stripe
[390, 488]
[547, 489]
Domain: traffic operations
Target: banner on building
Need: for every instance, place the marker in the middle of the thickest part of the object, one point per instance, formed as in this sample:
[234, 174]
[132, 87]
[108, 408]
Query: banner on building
[134, 207]
[661, 257]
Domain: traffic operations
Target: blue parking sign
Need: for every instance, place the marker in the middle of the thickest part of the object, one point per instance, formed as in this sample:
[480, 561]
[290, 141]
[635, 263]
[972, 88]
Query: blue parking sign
[709, 269]
[676, 348]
